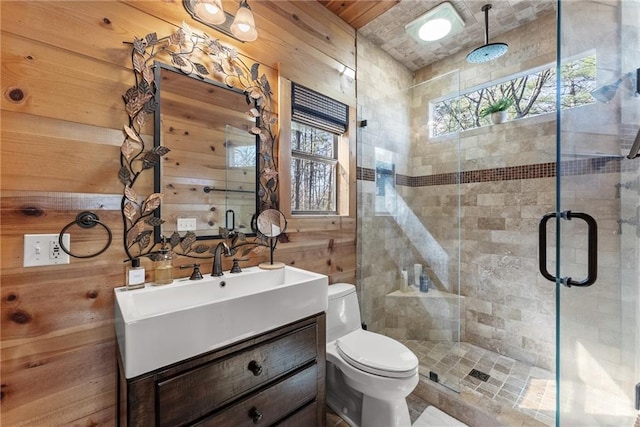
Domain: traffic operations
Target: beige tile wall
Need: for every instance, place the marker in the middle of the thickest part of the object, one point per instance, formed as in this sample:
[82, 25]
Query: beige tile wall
[493, 262]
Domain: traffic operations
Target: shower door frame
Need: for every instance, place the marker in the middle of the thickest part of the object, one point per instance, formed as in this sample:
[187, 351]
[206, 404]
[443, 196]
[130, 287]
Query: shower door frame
[594, 364]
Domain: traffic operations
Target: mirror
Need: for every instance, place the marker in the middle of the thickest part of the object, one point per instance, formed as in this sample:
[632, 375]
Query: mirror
[202, 57]
[209, 176]
[271, 223]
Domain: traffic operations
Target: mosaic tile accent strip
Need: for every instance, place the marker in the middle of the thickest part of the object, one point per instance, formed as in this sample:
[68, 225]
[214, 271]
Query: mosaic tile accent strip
[365, 174]
[587, 166]
[403, 180]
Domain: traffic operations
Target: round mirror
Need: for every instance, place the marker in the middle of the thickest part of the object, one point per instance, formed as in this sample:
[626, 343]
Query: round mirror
[271, 223]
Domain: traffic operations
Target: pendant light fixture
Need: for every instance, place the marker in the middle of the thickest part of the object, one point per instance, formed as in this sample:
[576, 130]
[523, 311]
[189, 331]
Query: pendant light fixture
[244, 26]
[210, 12]
[489, 51]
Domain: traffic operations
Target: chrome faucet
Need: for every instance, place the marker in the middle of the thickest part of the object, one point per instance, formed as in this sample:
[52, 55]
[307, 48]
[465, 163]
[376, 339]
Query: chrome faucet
[217, 258]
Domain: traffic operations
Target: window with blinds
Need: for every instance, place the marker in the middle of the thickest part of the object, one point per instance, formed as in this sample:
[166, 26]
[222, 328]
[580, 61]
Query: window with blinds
[317, 122]
[317, 110]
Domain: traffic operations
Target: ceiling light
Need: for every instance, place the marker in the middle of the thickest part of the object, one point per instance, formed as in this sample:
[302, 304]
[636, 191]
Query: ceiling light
[210, 12]
[434, 29]
[441, 21]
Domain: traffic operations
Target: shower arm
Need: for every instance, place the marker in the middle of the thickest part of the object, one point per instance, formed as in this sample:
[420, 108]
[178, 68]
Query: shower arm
[485, 9]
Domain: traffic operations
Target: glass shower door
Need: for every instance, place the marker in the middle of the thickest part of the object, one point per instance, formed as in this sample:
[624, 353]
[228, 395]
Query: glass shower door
[597, 220]
[409, 218]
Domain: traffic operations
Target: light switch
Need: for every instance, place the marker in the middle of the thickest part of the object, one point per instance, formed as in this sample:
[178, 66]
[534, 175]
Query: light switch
[186, 224]
[44, 249]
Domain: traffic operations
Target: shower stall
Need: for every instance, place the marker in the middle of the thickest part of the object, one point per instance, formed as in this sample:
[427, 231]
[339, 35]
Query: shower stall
[511, 222]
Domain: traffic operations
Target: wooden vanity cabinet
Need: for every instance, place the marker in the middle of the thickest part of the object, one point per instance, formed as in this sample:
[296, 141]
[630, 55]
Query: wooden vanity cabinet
[275, 378]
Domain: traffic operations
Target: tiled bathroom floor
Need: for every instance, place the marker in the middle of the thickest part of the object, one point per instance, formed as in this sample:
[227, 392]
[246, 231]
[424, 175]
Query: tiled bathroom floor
[525, 388]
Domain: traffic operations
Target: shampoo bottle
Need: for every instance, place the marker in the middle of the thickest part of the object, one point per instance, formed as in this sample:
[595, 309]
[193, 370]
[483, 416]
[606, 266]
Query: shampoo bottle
[404, 284]
[424, 282]
[417, 271]
[135, 275]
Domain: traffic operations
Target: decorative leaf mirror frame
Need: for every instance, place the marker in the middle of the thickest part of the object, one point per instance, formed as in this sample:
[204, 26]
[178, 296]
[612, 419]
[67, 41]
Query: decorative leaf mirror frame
[197, 55]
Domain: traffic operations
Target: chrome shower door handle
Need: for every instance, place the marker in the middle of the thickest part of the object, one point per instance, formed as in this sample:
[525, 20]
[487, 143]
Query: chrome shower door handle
[592, 255]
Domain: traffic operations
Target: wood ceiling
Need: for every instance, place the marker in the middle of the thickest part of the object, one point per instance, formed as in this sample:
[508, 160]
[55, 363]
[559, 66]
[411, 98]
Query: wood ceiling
[358, 13]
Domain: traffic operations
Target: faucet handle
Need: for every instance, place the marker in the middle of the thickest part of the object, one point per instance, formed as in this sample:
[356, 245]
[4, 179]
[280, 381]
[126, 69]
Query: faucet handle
[236, 267]
[196, 274]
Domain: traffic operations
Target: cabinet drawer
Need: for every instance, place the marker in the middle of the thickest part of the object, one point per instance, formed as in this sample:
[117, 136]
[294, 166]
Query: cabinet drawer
[304, 417]
[195, 393]
[268, 406]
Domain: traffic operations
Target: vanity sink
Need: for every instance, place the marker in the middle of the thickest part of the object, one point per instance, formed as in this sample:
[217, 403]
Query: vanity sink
[160, 325]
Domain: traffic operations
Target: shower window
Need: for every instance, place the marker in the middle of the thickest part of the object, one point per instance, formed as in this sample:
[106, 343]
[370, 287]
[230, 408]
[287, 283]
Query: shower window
[533, 93]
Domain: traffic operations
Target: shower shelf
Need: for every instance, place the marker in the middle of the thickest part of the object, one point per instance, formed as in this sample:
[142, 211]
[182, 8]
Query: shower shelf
[430, 316]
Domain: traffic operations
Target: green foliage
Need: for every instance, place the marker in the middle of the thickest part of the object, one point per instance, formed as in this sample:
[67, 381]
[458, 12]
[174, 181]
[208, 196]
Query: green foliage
[500, 105]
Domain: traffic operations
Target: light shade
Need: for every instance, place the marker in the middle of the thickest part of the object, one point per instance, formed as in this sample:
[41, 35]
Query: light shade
[441, 21]
[210, 11]
[244, 26]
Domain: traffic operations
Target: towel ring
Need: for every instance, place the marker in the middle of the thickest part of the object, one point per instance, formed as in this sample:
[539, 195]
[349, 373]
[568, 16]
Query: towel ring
[85, 219]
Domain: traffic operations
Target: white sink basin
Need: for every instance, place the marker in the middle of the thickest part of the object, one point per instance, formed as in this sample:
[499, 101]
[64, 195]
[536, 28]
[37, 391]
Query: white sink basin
[160, 325]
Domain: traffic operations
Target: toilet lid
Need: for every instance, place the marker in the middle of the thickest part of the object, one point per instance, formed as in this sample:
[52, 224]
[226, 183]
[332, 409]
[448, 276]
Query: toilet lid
[377, 354]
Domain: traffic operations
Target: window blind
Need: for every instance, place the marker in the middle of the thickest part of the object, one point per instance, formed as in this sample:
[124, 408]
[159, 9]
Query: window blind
[317, 110]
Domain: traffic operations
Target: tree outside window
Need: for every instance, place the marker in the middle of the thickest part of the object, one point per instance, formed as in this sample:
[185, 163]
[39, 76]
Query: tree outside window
[533, 94]
[313, 169]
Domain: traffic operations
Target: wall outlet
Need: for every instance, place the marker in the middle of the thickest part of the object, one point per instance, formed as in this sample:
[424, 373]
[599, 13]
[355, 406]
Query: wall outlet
[186, 224]
[44, 249]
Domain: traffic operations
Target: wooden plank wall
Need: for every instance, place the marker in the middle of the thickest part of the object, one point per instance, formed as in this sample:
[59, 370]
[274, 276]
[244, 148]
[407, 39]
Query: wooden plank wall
[64, 68]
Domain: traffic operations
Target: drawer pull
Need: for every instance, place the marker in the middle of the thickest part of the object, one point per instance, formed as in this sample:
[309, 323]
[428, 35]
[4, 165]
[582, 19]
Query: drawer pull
[255, 415]
[255, 367]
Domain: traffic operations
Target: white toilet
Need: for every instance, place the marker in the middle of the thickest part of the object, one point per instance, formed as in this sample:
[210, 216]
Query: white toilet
[369, 375]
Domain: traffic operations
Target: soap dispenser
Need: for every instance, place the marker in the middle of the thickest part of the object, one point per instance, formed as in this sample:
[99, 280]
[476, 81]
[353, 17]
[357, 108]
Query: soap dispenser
[164, 267]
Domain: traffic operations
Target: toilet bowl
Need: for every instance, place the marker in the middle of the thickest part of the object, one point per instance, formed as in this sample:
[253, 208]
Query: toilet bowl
[369, 375]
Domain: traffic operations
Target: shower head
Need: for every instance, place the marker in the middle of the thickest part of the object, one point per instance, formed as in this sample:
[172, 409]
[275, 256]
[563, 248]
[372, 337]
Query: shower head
[489, 51]
[606, 93]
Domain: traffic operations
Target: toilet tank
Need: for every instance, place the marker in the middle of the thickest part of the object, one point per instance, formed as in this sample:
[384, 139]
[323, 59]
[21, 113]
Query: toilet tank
[343, 312]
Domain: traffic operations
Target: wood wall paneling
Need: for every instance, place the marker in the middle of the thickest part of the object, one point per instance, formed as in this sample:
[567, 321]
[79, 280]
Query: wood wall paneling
[61, 133]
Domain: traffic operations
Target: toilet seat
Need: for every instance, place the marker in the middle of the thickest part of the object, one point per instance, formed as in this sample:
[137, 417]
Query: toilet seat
[377, 354]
